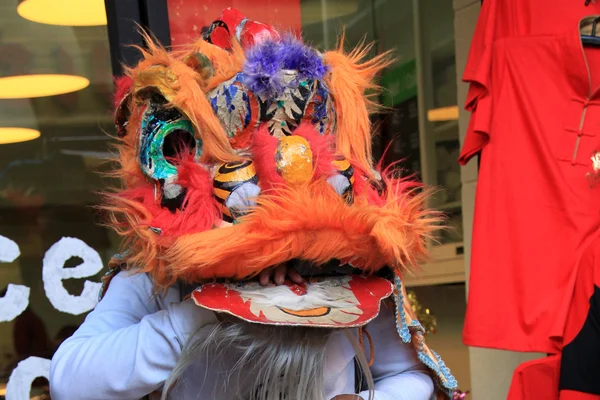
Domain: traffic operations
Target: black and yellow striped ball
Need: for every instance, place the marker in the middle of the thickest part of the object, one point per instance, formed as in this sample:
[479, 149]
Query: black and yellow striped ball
[228, 177]
[344, 168]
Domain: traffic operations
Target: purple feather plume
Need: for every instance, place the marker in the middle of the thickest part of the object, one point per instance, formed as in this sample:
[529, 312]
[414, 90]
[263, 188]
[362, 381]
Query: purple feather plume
[265, 62]
[298, 56]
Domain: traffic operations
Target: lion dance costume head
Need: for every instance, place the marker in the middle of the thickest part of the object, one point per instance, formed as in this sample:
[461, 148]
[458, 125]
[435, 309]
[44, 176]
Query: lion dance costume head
[249, 149]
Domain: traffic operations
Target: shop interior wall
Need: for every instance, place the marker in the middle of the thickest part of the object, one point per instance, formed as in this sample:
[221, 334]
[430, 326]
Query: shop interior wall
[394, 29]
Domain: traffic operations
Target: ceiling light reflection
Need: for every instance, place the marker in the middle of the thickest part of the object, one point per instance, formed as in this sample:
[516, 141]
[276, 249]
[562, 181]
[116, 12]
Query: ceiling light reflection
[40, 85]
[16, 135]
[64, 12]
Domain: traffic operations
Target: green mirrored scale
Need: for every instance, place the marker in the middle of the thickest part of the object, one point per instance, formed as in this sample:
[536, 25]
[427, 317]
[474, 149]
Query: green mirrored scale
[156, 126]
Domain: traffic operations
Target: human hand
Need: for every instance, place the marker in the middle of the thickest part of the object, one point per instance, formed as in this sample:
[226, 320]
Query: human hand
[279, 274]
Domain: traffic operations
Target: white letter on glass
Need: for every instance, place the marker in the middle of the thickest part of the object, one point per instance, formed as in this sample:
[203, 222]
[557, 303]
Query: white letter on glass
[21, 378]
[54, 272]
[16, 299]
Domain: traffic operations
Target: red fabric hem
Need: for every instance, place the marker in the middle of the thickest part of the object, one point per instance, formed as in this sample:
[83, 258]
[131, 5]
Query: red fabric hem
[474, 142]
[536, 380]
[478, 132]
[475, 91]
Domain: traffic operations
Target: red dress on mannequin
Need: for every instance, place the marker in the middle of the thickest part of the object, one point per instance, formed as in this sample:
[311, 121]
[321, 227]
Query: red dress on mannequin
[536, 121]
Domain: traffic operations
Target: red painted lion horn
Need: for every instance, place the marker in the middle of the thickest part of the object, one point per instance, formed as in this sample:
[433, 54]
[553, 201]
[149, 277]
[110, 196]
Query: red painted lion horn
[233, 24]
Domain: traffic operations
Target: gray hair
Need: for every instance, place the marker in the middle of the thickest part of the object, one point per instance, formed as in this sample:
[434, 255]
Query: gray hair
[270, 362]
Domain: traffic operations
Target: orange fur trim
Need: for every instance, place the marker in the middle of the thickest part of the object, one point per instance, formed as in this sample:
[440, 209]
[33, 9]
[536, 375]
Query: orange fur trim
[183, 87]
[129, 168]
[130, 220]
[225, 63]
[350, 78]
[311, 222]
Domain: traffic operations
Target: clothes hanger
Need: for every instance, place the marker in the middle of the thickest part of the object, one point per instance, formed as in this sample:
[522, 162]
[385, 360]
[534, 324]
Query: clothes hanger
[591, 40]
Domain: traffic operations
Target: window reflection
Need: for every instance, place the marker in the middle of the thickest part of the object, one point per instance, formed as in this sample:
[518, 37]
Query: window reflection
[48, 185]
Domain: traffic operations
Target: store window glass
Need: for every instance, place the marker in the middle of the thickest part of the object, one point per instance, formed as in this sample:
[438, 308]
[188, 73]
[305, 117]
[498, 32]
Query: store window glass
[53, 149]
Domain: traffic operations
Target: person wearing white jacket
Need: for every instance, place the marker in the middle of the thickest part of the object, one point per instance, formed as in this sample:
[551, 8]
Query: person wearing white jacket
[128, 346]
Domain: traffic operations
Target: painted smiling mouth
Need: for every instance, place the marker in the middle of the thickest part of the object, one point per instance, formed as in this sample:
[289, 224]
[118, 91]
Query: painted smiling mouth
[324, 302]
[311, 312]
[334, 294]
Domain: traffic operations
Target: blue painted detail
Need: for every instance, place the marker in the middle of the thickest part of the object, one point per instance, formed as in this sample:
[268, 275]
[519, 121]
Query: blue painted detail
[320, 108]
[246, 100]
[319, 115]
[231, 103]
